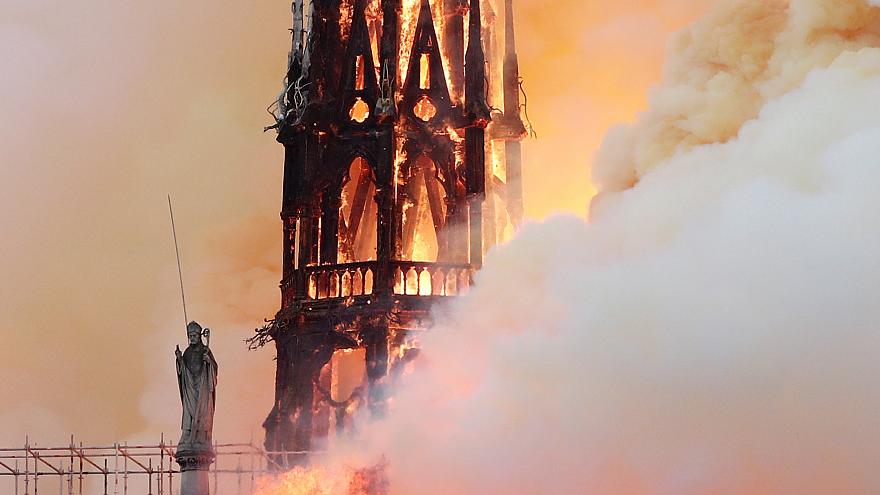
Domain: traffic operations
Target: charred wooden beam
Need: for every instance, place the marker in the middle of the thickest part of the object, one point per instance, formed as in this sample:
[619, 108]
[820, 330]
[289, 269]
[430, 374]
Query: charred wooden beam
[454, 37]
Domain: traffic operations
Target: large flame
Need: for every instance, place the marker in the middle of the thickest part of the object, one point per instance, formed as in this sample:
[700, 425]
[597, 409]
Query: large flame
[301, 481]
[322, 481]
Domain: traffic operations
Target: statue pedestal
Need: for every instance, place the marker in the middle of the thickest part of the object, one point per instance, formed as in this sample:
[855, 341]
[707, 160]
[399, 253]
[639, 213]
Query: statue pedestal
[194, 483]
[194, 472]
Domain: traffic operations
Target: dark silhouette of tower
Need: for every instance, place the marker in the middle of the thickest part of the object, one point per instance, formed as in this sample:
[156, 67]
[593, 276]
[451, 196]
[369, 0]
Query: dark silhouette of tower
[399, 173]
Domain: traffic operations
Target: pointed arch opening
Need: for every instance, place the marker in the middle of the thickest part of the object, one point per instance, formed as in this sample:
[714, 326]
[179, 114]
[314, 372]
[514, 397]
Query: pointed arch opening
[358, 214]
[359, 73]
[425, 71]
[424, 215]
[340, 384]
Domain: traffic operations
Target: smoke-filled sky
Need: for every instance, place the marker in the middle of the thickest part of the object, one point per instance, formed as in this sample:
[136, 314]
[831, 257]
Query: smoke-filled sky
[714, 328]
[107, 106]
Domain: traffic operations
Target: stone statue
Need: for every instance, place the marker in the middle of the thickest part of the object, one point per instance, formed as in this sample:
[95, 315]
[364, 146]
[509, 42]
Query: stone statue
[197, 380]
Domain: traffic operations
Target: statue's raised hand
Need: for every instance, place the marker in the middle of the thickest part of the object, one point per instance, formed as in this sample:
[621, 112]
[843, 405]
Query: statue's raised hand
[177, 352]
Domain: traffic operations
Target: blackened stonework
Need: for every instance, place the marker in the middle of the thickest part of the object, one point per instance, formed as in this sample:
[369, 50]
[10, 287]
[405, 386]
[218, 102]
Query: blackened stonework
[383, 120]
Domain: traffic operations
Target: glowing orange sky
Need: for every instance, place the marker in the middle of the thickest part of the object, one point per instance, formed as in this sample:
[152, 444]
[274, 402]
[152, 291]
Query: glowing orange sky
[108, 106]
[587, 66]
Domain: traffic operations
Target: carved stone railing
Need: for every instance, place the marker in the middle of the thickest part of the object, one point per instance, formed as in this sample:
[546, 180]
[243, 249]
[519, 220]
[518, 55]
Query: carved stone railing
[339, 281]
[321, 282]
[410, 278]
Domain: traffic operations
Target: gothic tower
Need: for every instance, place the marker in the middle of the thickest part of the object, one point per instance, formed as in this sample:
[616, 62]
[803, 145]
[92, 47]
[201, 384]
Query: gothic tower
[400, 121]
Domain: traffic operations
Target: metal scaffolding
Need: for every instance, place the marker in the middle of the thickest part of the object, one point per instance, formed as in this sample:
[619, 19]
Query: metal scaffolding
[122, 469]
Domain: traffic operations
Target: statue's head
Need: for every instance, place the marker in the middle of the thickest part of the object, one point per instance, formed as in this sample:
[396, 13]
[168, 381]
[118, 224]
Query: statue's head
[194, 333]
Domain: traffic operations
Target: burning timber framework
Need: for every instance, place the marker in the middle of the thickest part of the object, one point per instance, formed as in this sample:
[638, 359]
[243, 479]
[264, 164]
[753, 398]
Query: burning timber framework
[401, 124]
[75, 469]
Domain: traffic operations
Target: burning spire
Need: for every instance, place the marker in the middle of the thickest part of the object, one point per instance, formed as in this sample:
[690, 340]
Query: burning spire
[385, 182]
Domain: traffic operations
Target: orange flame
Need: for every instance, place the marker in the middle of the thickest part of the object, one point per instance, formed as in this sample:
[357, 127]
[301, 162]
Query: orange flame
[319, 481]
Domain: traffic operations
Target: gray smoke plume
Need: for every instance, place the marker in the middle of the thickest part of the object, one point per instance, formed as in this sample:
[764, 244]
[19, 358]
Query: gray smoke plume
[714, 328]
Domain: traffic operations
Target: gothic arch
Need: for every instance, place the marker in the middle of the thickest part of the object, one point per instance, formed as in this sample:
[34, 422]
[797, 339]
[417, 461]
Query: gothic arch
[424, 217]
[358, 212]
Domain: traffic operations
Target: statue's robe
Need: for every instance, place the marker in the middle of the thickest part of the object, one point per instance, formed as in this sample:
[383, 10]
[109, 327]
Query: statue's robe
[197, 380]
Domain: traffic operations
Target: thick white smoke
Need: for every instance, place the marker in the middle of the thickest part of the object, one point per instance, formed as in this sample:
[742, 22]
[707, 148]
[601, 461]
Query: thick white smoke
[715, 328]
[724, 70]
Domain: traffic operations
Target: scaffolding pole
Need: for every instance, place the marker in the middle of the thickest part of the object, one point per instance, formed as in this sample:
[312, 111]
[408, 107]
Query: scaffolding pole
[119, 469]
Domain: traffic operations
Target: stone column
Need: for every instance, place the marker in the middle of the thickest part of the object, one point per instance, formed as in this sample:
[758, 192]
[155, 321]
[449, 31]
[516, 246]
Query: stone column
[194, 471]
